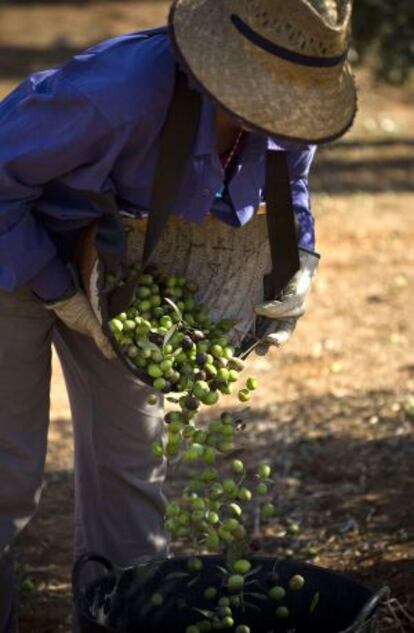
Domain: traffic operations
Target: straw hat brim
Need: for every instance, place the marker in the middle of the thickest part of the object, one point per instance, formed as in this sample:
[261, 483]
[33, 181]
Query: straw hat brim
[268, 94]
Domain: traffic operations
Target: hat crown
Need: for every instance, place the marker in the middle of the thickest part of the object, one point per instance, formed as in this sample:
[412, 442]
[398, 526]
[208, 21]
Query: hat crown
[278, 65]
[310, 27]
[333, 11]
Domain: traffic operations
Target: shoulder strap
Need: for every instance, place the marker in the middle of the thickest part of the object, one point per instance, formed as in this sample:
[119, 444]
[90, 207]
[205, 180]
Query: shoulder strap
[281, 225]
[177, 138]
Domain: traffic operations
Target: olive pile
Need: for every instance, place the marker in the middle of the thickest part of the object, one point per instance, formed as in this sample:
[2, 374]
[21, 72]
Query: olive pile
[225, 602]
[170, 337]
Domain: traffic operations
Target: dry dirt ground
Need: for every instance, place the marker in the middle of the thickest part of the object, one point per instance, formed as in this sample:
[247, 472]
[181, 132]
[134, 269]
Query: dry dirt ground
[333, 412]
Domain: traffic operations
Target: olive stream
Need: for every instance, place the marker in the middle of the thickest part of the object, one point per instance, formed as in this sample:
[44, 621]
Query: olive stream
[170, 337]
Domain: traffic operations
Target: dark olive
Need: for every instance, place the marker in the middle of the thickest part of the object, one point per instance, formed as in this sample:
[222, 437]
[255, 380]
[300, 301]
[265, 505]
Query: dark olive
[169, 417]
[192, 404]
[214, 384]
[156, 338]
[187, 343]
[201, 359]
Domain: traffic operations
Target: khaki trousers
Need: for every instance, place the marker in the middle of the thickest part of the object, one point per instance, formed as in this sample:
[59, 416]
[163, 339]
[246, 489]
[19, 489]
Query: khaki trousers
[119, 504]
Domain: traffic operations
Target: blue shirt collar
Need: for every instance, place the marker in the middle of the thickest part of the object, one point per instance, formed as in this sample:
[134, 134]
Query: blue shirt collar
[204, 145]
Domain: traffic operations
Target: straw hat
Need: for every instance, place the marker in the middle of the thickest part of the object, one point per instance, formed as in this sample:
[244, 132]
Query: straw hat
[280, 66]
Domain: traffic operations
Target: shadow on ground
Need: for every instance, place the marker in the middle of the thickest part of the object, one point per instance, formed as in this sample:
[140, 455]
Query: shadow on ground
[342, 471]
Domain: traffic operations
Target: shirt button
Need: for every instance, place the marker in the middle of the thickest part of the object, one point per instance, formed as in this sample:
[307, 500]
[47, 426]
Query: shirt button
[205, 193]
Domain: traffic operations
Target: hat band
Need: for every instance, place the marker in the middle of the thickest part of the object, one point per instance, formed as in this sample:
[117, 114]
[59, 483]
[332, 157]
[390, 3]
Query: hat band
[284, 53]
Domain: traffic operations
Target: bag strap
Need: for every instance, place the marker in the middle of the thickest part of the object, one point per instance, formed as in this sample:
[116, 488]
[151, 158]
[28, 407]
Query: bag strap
[280, 225]
[177, 139]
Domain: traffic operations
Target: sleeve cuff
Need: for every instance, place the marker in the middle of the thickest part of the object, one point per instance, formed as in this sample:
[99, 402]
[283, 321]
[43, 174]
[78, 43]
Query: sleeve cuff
[52, 282]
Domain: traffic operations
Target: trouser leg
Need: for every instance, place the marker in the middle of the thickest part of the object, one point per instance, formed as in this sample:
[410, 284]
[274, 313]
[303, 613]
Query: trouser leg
[119, 504]
[8, 609]
[25, 341]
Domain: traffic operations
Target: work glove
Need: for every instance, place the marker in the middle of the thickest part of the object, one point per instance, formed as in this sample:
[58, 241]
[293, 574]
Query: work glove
[290, 305]
[76, 312]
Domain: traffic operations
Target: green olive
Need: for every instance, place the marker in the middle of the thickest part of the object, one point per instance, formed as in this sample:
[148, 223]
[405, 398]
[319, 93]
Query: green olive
[262, 489]
[230, 487]
[235, 509]
[251, 384]
[237, 466]
[244, 395]
[154, 371]
[117, 325]
[277, 593]
[245, 495]
[157, 449]
[210, 593]
[297, 582]
[268, 511]
[242, 566]
[160, 384]
[210, 398]
[212, 541]
[265, 471]
[282, 612]
[233, 375]
[195, 564]
[235, 583]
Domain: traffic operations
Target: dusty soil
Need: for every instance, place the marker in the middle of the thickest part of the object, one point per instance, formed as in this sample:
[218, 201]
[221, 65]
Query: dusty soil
[332, 412]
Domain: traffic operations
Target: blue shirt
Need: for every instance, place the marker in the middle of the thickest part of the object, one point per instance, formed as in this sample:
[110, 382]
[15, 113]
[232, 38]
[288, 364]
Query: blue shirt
[95, 124]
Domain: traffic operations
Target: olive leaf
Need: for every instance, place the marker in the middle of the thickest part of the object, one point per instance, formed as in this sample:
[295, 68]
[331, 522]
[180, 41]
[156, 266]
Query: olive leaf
[252, 582]
[204, 612]
[169, 335]
[223, 570]
[193, 581]
[174, 307]
[315, 602]
[145, 342]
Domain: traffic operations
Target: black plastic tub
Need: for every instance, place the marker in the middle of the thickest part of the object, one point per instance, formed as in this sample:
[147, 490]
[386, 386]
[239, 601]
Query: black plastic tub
[120, 600]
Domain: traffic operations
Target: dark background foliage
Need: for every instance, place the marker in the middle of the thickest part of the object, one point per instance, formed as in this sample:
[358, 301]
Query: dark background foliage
[386, 28]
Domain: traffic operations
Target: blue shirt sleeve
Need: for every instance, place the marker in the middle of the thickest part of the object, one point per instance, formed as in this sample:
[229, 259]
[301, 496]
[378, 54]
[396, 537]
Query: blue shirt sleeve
[46, 130]
[299, 164]
[75, 120]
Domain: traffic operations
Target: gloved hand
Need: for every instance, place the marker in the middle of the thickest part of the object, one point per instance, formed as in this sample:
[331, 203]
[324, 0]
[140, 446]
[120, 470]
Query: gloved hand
[76, 312]
[290, 306]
